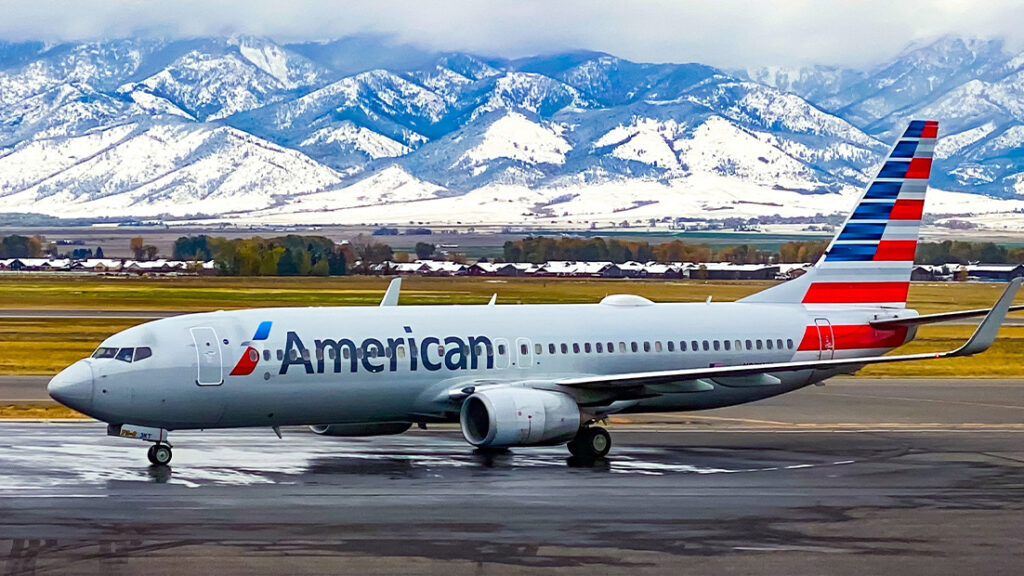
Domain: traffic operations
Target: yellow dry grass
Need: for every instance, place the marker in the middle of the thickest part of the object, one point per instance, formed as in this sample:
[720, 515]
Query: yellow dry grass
[44, 346]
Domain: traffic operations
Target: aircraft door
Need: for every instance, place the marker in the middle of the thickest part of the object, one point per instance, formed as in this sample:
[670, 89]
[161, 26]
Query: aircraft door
[826, 339]
[210, 367]
[501, 353]
[524, 352]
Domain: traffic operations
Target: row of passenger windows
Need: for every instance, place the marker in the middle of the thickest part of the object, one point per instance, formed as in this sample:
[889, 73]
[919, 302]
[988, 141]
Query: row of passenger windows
[124, 354]
[658, 346]
[565, 348]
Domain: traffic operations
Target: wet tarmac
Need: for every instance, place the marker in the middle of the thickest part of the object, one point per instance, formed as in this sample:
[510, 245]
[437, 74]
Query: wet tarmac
[666, 500]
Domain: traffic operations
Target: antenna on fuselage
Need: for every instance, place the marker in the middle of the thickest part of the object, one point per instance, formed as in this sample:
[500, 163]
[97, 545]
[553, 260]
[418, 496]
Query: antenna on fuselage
[391, 296]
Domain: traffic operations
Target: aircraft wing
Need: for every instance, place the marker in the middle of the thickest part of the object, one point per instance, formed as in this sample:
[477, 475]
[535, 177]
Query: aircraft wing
[982, 338]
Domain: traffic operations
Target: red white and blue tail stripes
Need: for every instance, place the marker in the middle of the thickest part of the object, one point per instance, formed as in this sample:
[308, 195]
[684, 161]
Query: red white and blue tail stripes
[869, 261]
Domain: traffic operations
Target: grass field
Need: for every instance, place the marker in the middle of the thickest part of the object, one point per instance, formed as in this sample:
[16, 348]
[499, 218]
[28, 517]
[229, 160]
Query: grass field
[44, 346]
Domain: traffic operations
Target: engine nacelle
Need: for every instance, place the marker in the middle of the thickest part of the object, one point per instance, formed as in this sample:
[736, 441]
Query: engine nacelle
[519, 417]
[361, 429]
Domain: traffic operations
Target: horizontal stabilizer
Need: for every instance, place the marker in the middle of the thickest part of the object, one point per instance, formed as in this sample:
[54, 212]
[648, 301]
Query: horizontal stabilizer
[934, 318]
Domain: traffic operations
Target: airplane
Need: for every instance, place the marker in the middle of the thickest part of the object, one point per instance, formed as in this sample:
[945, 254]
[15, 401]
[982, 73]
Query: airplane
[530, 375]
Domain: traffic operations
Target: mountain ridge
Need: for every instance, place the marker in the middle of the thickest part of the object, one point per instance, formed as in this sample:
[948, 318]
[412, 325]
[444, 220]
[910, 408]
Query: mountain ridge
[241, 125]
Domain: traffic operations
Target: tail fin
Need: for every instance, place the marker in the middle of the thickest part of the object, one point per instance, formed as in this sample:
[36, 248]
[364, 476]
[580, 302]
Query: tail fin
[869, 261]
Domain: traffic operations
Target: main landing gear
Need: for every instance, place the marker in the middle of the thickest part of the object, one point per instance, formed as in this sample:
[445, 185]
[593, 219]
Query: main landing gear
[591, 442]
[159, 454]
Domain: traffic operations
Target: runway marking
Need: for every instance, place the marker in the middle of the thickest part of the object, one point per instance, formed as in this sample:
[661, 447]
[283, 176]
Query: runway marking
[688, 416]
[904, 398]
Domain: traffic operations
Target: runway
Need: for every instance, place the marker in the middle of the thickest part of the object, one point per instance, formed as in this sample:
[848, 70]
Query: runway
[930, 484]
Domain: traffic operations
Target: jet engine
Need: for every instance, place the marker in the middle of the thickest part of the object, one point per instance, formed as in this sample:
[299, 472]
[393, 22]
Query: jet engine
[361, 429]
[518, 417]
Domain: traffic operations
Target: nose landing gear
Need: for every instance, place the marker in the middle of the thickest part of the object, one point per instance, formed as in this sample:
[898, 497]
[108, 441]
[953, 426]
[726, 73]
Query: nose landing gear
[591, 442]
[159, 454]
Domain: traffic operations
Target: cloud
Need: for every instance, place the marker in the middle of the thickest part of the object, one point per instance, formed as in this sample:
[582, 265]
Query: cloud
[719, 32]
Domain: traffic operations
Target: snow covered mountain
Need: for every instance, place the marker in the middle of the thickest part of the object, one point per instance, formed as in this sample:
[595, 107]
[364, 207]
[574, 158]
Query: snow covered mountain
[975, 88]
[360, 130]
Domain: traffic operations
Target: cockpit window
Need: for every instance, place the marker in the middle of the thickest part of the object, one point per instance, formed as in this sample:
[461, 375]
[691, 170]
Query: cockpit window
[105, 353]
[125, 354]
[142, 352]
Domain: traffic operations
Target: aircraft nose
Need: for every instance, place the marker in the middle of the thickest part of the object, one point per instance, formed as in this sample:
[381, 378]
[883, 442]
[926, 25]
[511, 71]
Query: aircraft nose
[72, 387]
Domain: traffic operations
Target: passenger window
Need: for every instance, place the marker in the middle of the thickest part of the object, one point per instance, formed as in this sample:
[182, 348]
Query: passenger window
[125, 354]
[739, 345]
[725, 343]
[778, 343]
[501, 349]
[551, 348]
[657, 346]
[750, 345]
[768, 343]
[671, 346]
[715, 343]
[695, 345]
[266, 354]
[142, 353]
[634, 346]
[319, 353]
[105, 353]
[305, 354]
[575, 348]
[622, 347]
[565, 348]
[345, 354]
[586, 347]
[538, 348]
[611, 347]
[600, 347]
[758, 343]
[707, 345]
[387, 352]
[789, 343]
[647, 346]
[401, 351]
[524, 349]
[682, 345]
[280, 354]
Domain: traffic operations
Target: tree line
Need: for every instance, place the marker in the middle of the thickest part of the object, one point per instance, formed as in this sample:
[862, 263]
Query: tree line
[540, 249]
[291, 255]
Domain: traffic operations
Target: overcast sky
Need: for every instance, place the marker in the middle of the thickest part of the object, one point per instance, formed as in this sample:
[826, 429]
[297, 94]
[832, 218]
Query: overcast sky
[718, 32]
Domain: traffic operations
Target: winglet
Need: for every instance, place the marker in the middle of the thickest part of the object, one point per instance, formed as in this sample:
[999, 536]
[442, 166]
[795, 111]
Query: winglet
[989, 327]
[494, 299]
[391, 296]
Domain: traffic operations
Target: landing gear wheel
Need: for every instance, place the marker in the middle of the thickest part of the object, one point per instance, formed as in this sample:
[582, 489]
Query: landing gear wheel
[591, 442]
[159, 454]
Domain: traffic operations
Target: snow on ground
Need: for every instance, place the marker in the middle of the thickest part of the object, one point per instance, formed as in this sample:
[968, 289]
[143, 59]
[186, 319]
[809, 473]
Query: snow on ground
[514, 136]
[950, 145]
[374, 144]
[706, 195]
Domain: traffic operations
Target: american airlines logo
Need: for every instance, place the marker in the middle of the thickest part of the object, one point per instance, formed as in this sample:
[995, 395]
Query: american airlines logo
[251, 357]
[373, 355]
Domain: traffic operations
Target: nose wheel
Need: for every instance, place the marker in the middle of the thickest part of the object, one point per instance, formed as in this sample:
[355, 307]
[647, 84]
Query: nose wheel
[159, 454]
[591, 442]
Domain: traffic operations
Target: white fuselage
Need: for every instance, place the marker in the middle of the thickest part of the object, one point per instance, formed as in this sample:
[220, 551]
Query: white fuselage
[402, 363]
